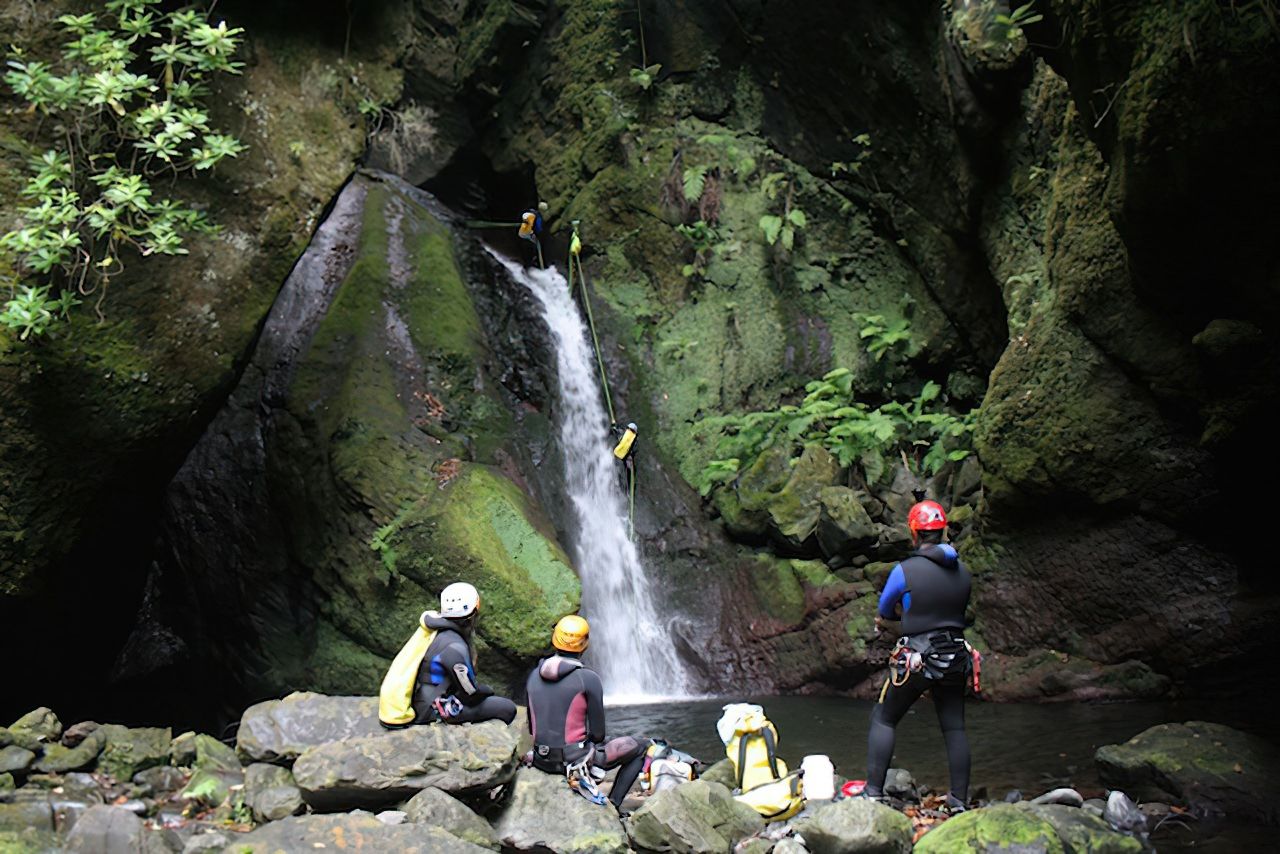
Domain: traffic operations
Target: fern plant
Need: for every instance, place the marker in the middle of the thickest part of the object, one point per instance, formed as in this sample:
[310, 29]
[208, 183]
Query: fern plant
[129, 94]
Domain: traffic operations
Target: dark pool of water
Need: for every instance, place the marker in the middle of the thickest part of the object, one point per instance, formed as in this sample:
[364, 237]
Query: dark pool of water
[1031, 748]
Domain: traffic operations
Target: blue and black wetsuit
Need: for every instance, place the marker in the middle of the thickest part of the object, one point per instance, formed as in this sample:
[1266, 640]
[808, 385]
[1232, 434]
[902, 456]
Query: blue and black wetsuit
[932, 588]
[447, 671]
[566, 719]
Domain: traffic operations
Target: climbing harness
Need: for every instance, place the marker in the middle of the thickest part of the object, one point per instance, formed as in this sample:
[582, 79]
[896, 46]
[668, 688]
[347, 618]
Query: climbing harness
[581, 779]
[936, 654]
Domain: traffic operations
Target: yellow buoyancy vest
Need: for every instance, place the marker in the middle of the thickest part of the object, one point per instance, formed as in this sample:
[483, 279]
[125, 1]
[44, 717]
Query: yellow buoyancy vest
[763, 781]
[623, 448]
[395, 699]
[527, 221]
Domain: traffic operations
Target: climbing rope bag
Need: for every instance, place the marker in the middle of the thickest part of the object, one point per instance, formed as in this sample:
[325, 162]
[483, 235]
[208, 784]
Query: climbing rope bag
[763, 782]
[395, 698]
[623, 448]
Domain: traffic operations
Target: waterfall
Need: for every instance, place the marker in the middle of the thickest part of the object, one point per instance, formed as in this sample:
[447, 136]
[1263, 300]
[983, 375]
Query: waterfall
[630, 647]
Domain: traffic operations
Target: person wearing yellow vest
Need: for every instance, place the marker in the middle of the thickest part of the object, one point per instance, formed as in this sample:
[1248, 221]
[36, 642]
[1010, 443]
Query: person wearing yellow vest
[531, 228]
[625, 448]
[434, 677]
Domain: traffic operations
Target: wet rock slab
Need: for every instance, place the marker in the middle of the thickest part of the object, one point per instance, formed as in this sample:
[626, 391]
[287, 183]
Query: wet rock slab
[280, 730]
[380, 770]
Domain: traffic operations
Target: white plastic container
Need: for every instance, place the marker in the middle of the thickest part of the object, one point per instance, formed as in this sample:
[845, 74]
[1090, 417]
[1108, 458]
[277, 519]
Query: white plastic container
[819, 778]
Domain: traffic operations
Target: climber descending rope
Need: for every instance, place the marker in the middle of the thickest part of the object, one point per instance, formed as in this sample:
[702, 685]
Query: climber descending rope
[624, 437]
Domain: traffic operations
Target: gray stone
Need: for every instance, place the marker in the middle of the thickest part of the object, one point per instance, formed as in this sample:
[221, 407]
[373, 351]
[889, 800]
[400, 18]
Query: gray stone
[543, 814]
[791, 846]
[358, 831]
[182, 750]
[6, 782]
[1213, 769]
[68, 810]
[27, 813]
[899, 783]
[41, 723]
[15, 758]
[391, 817]
[60, 759]
[270, 791]
[77, 733]
[1064, 796]
[108, 830]
[1080, 831]
[208, 841]
[129, 750]
[697, 817]
[213, 755]
[721, 772]
[217, 771]
[1094, 806]
[855, 826]
[432, 806]
[280, 730]
[162, 779]
[379, 770]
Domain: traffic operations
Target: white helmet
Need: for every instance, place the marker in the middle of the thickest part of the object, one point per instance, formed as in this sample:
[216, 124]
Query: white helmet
[459, 600]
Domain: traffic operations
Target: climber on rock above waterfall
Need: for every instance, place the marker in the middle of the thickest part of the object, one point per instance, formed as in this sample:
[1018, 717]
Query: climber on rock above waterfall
[930, 589]
[566, 718]
[433, 678]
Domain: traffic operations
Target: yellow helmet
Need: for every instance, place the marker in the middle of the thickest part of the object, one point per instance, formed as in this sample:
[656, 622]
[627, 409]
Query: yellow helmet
[571, 634]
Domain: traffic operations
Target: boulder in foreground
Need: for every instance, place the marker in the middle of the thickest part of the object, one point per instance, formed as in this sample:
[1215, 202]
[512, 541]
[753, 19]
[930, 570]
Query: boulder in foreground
[544, 815]
[855, 825]
[695, 817]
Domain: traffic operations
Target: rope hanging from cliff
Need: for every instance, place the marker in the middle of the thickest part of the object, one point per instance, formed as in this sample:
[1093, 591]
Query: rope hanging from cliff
[631, 493]
[575, 248]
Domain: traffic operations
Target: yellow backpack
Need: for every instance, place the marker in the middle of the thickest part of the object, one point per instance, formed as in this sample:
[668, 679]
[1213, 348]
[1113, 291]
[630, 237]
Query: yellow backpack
[763, 781]
[395, 698]
[624, 444]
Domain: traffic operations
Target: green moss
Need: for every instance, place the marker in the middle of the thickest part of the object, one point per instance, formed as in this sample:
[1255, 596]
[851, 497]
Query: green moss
[1002, 827]
[861, 624]
[441, 315]
[778, 590]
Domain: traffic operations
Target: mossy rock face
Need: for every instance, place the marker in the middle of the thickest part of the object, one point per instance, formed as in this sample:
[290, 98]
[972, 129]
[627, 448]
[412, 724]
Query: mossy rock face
[379, 454]
[1214, 769]
[1083, 833]
[993, 829]
[130, 750]
[140, 384]
[1051, 676]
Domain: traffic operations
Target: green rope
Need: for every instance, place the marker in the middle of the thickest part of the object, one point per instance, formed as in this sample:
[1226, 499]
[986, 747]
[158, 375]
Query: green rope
[586, 301]
[484, 223]
[538, 243]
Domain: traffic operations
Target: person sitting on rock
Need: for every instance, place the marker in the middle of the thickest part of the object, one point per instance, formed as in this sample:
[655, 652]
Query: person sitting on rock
[566, 719]
[438, 663]
[931, 588]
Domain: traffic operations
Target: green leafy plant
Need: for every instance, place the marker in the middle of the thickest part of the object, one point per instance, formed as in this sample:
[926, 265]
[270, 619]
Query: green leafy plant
[920, 430]
[704, 237]
[1010, 26]
[645, 77]
[881, 334]
[784, 226]
[126, 97]
[695, 180]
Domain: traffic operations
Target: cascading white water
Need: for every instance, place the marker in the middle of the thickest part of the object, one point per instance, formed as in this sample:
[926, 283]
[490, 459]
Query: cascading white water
[629, 645]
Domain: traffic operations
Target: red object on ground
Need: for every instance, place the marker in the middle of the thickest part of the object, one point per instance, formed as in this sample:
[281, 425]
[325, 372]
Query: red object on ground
[853, 787]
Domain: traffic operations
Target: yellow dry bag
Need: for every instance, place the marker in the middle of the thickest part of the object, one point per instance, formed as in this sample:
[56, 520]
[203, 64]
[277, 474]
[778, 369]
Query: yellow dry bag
[623, 448]
[763, 781]
[395, 699]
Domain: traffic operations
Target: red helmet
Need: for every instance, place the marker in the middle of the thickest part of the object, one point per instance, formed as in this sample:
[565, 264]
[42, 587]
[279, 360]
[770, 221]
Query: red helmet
[927, 516]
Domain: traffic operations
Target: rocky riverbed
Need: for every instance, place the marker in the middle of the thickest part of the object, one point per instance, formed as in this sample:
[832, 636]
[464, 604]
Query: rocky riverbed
[310, 772]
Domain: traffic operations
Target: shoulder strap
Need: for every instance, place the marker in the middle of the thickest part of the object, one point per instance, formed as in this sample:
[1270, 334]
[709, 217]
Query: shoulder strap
[771, 748]
[742, 757]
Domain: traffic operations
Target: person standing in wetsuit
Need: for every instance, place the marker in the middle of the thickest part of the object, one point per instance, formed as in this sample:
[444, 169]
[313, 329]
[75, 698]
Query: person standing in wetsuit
[447, 689]
[566, 716]
[931, 588]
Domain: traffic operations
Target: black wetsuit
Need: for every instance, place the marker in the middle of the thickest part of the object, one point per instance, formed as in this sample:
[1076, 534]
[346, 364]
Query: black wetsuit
[933, 588]
[566, 718]
[446, 670]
